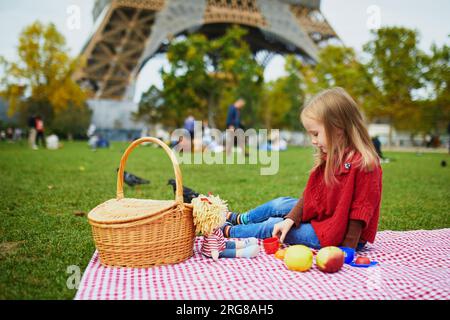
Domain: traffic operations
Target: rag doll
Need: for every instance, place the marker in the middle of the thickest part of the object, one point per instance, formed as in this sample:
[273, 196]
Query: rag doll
[209, 216]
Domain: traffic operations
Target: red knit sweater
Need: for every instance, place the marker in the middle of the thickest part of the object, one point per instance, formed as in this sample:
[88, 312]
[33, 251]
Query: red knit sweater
[357, 196]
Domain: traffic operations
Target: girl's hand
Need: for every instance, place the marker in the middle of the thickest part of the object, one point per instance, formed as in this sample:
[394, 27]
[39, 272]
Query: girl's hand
[282, 228]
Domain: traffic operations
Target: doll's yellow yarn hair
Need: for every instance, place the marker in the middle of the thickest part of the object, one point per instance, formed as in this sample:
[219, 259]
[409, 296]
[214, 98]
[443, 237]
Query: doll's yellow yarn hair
[209, 213]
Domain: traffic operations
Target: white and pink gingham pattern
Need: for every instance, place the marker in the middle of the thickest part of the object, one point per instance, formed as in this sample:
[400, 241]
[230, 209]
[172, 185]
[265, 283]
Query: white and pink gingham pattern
[413, 265]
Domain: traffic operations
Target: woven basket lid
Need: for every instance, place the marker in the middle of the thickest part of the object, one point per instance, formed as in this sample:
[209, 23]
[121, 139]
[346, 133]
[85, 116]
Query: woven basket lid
[123, 210]
[128, 210]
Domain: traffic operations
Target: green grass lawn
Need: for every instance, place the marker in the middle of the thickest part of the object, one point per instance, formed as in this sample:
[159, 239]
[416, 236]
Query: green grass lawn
[40, 236]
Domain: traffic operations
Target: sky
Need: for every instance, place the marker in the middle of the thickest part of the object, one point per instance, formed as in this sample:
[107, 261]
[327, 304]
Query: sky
[351, 19]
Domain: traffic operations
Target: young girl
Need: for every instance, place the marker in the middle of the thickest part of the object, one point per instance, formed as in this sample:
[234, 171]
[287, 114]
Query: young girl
[340, 205]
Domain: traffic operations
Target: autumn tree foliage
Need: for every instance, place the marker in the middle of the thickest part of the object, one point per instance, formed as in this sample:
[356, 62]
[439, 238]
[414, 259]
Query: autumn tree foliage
[40, 80]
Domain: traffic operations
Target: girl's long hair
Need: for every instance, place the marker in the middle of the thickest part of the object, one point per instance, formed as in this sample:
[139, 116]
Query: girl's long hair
[336, 109]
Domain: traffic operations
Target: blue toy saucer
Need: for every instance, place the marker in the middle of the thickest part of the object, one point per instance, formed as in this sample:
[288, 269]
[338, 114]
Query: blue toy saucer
[372, 264]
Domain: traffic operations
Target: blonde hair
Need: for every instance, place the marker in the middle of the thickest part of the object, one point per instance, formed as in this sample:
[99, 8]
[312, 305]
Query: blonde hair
[209, 213]
[336, 109]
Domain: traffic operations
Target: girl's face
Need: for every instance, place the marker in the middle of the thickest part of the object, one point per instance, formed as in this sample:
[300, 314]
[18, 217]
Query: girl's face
[316, 130]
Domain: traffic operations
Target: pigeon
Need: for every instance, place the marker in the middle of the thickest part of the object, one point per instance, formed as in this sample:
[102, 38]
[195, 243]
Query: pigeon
[132, 180]
[188, 194]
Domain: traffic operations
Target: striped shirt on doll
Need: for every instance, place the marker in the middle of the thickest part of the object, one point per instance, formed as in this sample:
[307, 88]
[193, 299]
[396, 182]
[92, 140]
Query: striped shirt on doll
[213, 241]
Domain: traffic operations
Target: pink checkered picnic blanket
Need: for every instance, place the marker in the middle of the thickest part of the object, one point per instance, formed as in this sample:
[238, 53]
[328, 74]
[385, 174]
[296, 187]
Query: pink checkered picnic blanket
[412, 265]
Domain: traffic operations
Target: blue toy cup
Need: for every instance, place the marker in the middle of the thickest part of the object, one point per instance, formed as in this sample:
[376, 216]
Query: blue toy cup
[349, 254]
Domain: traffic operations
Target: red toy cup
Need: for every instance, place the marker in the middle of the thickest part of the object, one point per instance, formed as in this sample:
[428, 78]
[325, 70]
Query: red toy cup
[271, 245]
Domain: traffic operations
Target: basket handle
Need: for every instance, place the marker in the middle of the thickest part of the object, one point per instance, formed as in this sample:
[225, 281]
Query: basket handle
[176, 167]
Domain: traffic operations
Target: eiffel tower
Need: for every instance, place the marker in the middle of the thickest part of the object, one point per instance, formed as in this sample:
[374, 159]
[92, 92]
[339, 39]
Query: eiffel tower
[128, 33]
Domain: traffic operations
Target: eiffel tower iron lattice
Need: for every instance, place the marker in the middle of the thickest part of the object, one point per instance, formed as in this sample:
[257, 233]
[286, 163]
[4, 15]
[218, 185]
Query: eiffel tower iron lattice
[127, 33]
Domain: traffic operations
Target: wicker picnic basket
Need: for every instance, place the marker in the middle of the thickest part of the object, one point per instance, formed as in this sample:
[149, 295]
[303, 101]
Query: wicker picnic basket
[143, 233]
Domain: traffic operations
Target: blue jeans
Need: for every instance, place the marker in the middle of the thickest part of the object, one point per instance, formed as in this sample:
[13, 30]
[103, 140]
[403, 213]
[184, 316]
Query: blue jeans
[260, 222]
[230, 250]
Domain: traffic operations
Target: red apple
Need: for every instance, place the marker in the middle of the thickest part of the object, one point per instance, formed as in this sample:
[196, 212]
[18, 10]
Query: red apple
[330, 259]
[362, 260]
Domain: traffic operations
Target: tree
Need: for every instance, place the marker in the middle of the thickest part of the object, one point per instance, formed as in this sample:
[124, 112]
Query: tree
[186, 85]
[436, 109]
[396, 65]
[294, 91]
[399, 82]
[339, 66]
[283, 98]
[275, 105]
[72, 123]
[151, 108]
[41, 80]
[244, 76]
[203, 78]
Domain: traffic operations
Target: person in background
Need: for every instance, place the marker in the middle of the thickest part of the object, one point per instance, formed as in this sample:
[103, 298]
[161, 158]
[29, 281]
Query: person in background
[17, 134]
[40, 131]
[189, 124]
[234, 123]
[9, 134]
[209, 144]
[91, 130]
[32, 132]
[377, 144]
